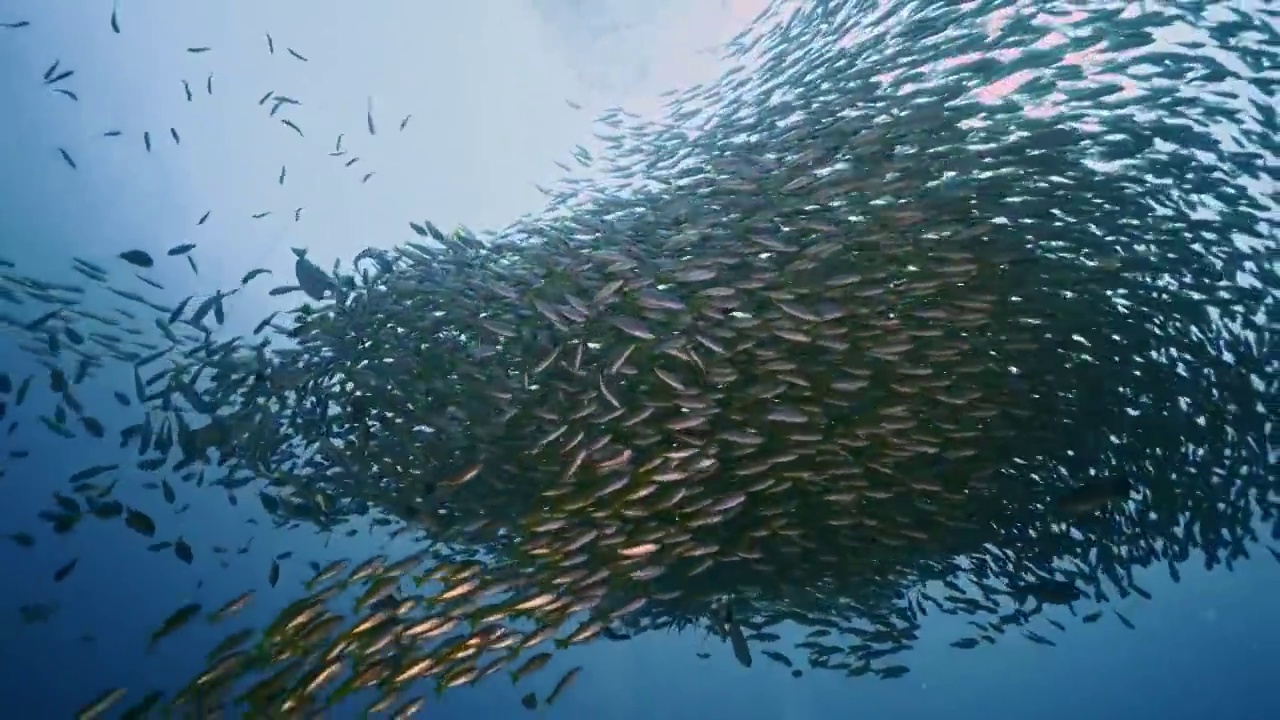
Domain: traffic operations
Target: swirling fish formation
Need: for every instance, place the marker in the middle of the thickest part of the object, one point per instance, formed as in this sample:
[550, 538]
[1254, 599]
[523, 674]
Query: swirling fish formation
[840, 341]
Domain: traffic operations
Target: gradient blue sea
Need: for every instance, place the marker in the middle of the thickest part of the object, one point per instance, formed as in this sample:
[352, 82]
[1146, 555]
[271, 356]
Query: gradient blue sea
[485, 85]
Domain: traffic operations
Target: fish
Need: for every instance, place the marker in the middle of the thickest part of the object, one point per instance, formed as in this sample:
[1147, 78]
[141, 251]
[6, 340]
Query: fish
[368, 115]
[176, 620]
[186, 88]
[405, 122]
[59, 77]
[1092, 496]
[104, 702]
[67, 93]
[140, 258]
[65, 570]
[271, 45]
[183, 551]
[294, 53]
[115, 17]
[850, 352]
[66, 157]
[197, 50]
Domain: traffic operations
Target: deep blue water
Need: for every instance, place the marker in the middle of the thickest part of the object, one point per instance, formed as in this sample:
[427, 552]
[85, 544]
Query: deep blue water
[1201, 648]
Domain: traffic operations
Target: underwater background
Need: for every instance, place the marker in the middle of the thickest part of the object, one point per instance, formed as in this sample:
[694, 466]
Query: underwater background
[496, 115]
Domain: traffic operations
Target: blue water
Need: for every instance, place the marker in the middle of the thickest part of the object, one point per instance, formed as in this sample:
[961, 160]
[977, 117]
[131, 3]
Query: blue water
[1204, 647]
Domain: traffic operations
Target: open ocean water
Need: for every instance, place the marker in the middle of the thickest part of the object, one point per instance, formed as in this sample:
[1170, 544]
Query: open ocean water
[803, 360]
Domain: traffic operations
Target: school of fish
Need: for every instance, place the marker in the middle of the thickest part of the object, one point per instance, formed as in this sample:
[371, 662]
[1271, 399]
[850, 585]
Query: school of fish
[833, 342]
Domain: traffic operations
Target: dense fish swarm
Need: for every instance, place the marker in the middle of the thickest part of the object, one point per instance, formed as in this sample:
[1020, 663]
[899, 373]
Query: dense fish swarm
[843, 339]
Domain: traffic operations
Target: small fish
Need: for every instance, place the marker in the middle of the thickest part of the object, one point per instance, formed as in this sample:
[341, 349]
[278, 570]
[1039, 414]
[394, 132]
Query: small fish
[294, 53]
[112, 133]
[369, 117]
[101, 705]
[296, 129]
[273, 576]
[297, 215]
[271, 45]
[249, 276]
[185, 248]
[139, 258]
[203, 218]
[115, 20]
[208, 84]
[405, 122]
[366, 177]
[186, 87]
[563, 683]
[233, 606]
[573, 104]
[15, 25]
[140, 522]
[532, 665]
[68, 93]
[337, 146]
[59, 77]
[176, 140]
[265, 98]
[282, 173]
[146, 140]
[175, 621]
[142, 709]
[61, 573]
[52, 69]
[195, 50]
[1093, 496]
[183, 551]
[67, 158]
[260, 215]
